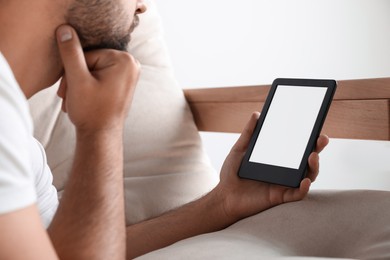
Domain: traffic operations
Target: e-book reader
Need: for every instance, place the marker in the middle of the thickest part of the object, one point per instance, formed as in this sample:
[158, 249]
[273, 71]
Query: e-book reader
[287, 130]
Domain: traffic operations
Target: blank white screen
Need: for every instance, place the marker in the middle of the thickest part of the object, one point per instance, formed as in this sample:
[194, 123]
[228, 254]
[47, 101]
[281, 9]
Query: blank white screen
[287, 127]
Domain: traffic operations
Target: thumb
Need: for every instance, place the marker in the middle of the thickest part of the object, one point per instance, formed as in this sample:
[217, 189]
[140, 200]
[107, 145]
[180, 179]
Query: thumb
[243, 141]
[71, 53]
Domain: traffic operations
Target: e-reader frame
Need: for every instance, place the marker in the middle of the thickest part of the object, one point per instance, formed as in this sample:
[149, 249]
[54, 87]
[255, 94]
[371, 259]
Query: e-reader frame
[280, 175]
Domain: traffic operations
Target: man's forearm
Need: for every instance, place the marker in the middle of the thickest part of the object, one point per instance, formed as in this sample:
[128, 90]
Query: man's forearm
[90, 221]
[202, 216]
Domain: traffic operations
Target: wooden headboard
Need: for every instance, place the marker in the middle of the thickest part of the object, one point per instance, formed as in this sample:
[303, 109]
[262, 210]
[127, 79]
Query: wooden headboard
[360, 109]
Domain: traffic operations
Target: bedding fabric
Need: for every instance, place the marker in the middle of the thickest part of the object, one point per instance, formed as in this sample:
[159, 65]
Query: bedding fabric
[352, 224]
[164, 163]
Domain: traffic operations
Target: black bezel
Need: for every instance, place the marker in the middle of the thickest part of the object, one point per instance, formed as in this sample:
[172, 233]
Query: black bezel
[281, 175]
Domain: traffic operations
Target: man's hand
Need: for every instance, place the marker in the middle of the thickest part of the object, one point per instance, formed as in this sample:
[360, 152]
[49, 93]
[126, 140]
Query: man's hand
[98, 86]
[97, 89]
[244, 198]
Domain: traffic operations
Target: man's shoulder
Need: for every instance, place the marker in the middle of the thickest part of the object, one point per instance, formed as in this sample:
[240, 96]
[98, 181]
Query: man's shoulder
[14, 108]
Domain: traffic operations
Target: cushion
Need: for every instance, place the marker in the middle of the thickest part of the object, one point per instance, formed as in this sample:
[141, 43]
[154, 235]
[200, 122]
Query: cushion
[164, 162]
[327, 224]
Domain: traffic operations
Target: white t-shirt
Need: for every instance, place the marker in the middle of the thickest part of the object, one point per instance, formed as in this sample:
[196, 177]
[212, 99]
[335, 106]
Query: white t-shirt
[25, 177]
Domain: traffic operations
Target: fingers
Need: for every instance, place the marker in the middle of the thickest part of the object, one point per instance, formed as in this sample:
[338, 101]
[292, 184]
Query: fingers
[303, 189]
[322, 142]
[299, 193]
[314, 159]
[314, 166]
[61, 92]
[242, 143]
[71, 52]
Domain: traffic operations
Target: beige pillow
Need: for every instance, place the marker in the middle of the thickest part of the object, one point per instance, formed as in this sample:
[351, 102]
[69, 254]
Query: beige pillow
[165, 165]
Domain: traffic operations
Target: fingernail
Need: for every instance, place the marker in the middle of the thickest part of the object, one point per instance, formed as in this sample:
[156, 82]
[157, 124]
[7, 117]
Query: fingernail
[65, 34]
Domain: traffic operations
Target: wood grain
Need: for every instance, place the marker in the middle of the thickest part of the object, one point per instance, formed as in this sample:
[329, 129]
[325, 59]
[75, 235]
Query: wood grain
[360, 110]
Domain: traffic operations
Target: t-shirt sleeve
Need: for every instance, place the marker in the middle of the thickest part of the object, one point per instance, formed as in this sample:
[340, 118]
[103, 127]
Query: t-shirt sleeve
[16, 177]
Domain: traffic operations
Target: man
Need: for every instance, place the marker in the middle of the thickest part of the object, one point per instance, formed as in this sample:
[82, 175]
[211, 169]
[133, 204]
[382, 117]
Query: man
[97, 87]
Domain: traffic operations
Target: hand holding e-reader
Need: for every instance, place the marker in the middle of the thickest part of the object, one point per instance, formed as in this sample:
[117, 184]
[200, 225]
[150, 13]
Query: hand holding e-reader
[287, 131]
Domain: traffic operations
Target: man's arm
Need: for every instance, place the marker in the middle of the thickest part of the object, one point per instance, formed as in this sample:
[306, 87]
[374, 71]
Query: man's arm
[97, 89]
[24, 237]
[89, 223]
[202, 216]
[233, 199]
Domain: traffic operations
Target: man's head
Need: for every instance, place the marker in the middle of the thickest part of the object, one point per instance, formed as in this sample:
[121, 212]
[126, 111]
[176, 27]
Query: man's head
[27, 33]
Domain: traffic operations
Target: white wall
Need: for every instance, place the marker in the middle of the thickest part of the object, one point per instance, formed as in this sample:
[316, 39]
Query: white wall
[228, 42]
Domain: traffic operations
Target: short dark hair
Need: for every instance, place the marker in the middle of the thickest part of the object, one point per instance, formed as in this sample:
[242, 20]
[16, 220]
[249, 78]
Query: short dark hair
[100, 24]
